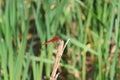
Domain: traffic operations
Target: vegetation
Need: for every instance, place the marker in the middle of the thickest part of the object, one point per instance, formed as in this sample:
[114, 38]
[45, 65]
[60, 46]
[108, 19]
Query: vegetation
[93, 27]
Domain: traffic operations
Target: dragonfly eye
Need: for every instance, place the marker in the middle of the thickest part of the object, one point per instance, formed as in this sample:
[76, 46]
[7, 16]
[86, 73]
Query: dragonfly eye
[57, 37]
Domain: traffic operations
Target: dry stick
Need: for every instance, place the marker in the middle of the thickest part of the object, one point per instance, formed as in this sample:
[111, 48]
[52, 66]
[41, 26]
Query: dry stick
[60, 50]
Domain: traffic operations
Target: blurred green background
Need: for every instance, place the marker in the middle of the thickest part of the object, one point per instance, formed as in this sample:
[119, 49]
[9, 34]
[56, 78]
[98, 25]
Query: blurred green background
[93, 27]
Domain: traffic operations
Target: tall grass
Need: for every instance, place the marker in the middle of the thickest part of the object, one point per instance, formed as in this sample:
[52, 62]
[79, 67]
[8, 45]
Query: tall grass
[93, 27]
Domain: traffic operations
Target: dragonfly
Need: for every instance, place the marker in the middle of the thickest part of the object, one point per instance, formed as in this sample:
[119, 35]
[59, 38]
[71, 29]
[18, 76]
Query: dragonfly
[54, 39]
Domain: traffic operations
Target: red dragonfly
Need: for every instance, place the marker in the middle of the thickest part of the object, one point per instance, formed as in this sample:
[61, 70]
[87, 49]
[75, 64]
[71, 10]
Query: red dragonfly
[54, 39]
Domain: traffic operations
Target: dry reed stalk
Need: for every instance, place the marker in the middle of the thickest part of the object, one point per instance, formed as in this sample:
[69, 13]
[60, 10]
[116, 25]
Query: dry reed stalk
[60, 49]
